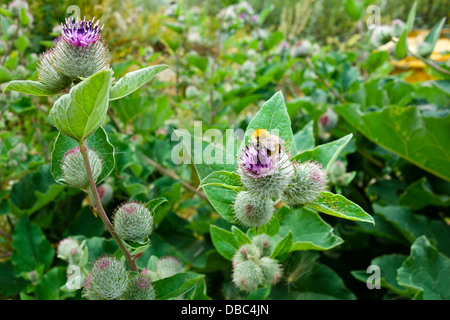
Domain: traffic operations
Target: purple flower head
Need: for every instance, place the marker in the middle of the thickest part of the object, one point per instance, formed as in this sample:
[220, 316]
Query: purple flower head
[256, 161]
[81, 33]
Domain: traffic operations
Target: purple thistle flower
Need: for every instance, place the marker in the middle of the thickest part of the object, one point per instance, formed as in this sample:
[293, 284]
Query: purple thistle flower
[264, 172]
[81, 33]
[255, 161]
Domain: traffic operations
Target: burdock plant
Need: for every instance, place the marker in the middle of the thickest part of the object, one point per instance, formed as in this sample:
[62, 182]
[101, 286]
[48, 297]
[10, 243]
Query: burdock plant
[77, 68]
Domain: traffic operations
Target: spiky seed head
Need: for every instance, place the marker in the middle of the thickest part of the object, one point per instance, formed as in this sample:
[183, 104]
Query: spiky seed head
[168, 266]
[133, 221]
[264, 166]
[245, 253]
[68, 248]
[271, 271]
[73, 170]
[107, 280]
[251, 211]
[309, 181]
[264, 243]
[78, 53]
[247, 276]
[139, 288]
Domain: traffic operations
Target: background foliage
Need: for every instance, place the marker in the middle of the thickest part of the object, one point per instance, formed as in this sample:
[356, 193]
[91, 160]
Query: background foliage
[396, 166]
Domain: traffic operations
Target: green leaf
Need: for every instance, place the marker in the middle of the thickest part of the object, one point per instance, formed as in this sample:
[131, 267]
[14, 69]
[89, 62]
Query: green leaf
[304, 139]
[223, 160]
[23, 17]
[352, 9]
[310, 280]
[224, 242]
[5, 75]
[283, 247]
[411, 17]
[98, 142]
[134, 80]
[308, 229]
[388, 264]
[49, 286]
[426, 271]
[433, 36]
[33, 192]
[326, 153]
[28, 87]
[5, 12]
[419, 195]
[81, 112]
[401, 49]
[222, 178]
[273, 117]
[155, 203]
[241, 237]
[176, 285]
[421, 140]
[9, 284]
[22, 43]
[339, 206]
[31, 248]
[412, 226]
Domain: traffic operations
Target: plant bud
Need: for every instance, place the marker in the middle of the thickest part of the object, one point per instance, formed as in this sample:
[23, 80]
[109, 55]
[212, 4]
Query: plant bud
[168, 266]
[133, 221]
[301, 49]
[338, 174]
[381, 35]
[247, 276]
[73, 169]
[139, 288]
[67, 248]
[247, 252]
[105, 192]
[328, 120]
[264, 243]
[108, 279]
[252, 212]
[271, 271]
[309, 181]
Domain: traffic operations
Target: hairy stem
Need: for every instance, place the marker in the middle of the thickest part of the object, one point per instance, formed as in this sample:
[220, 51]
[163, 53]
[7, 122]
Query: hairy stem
[101, 212]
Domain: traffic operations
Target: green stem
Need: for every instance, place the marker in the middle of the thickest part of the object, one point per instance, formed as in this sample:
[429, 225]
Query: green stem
[98, 207]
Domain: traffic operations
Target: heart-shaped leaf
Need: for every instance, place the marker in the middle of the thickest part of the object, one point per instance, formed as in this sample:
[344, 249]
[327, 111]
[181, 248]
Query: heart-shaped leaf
[81, 112]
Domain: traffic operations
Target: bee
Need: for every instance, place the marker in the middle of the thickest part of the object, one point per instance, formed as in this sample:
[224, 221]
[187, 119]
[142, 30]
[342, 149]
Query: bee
[265, 140]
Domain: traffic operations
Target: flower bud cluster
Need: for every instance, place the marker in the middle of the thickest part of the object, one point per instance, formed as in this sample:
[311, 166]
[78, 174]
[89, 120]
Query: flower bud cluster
[109, 280]
[267, 173]
[253, 267]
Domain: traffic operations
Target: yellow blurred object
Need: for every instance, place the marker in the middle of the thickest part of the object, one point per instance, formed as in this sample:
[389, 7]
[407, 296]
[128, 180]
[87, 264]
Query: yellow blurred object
[410, 63]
